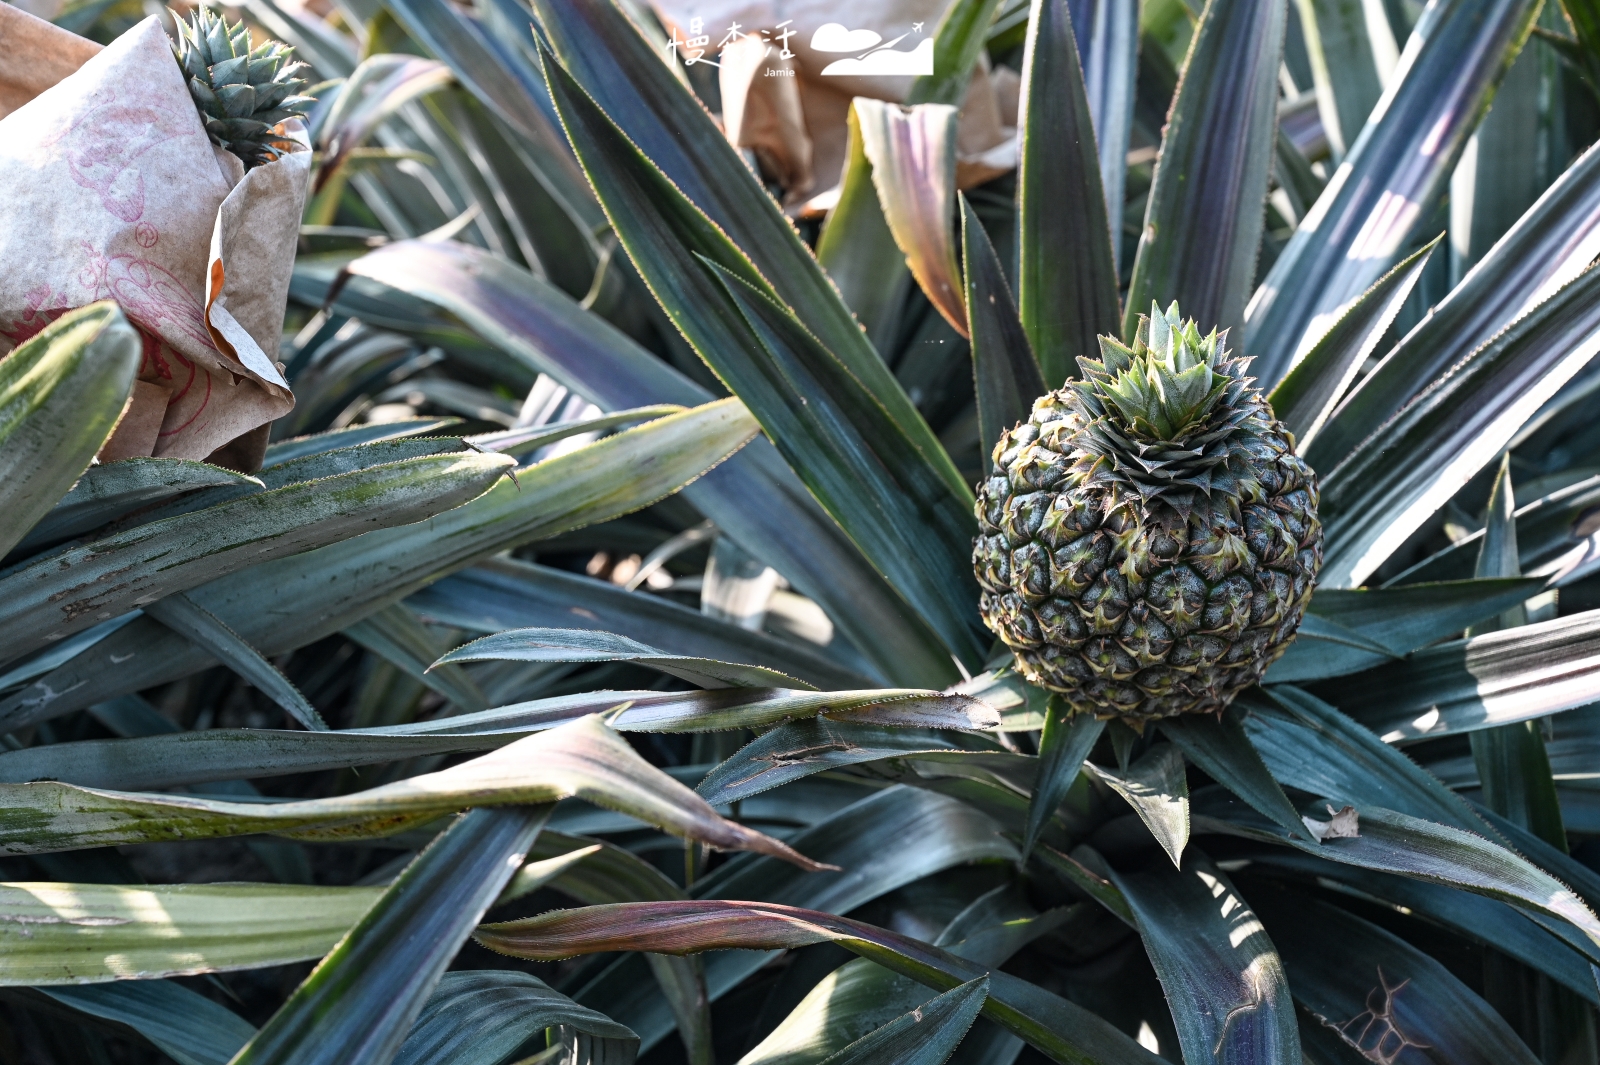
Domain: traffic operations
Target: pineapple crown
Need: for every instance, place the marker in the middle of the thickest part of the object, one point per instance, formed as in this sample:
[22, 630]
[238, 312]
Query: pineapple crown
[1173, 417]
[1164, 388]
[242, 91]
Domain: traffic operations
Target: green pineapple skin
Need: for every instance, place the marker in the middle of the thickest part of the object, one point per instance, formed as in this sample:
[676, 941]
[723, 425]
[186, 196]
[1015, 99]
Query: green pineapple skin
[241, 92]
[1141, 573]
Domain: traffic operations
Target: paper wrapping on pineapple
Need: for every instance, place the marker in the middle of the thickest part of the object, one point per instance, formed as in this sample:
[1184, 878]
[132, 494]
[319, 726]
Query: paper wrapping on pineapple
[114, 190]
[791, 112]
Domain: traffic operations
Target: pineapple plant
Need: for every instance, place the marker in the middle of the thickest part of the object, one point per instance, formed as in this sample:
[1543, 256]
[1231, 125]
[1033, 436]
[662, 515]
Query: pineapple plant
[478, 725]
[242, 91]
[1149, 539]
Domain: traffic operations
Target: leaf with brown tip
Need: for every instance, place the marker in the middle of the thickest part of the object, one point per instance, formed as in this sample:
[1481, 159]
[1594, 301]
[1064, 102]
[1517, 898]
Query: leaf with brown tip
[913, 156]
[1066, 1032]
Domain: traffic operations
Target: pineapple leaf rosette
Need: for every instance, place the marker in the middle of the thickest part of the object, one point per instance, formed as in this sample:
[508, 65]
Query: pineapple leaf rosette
[1149, 538]
[173, 186]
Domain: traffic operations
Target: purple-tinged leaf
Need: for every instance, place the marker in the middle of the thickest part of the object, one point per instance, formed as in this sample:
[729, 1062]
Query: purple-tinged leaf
[1202, 227]
[1446, 79]
[1066, 274]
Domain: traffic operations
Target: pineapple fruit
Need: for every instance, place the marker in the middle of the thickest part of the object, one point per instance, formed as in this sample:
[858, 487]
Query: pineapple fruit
[1149, 539]
[242, 92]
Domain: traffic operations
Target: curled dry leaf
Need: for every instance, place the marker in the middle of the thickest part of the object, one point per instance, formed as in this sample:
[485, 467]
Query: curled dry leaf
[1344, 824]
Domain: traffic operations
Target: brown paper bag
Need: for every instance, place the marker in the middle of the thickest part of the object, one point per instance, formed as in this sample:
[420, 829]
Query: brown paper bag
[114, 190]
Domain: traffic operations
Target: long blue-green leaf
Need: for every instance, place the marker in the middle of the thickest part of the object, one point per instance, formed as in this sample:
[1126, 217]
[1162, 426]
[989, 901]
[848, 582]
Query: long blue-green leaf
[800, 749]
[1109, 50]
[579, 645]
[478, 1017]
[853, 461]
[179, 758]
[1086, 868]
[291, 602]
[510, 594]
[1344, 50]
[1513, 767]
[1552, 244]
[522, 442]
[61, 394]
[1306, 396]
[308, 467]
[1494, 184]
[1202, 226]
[614, 65]
[1004, 370]
[1571, 747]
[1222, 976]
[80, 934]
[957, 42]
[1348, 630]
[1221, 748]
[1477, 918]
[1446, 79]
[395, 634]
[1553, 540]
[174, 758]
[613, 874]
[300, 447]
[1406, 618]
[755, 499]
[1062, 1030]
[582, 759]
[358, 1004]
[1065, 742]
[1496, 679]
[732, 709]
[1309, 745]
[1021, 705]
[510, 89]
[858, 460]
[1426, 850]
[313, 467]
[861, 995]
[1329, 631]
[1567, 869]
[331, 54]
[374, 91]
[1066, 272]
[1394, 481]
[537, 873]
[926, 1036]
[609, 874]
[184, 1025]
[74, 589]
[1156, 787]
[882, 843]
[201, 627]
[108, 491]
[1389, 999]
